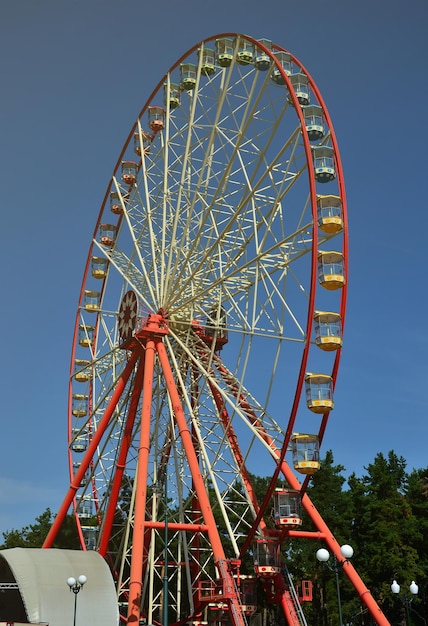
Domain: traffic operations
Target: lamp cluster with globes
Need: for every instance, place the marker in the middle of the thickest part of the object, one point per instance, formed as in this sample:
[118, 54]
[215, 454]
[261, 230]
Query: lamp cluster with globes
[413, 588]
[75, 586]
[323, 556]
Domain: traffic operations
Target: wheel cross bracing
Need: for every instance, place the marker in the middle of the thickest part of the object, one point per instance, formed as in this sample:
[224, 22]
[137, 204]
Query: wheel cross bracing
[212, 253]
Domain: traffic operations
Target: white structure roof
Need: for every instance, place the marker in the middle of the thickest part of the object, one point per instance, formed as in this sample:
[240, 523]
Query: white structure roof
[42, 576]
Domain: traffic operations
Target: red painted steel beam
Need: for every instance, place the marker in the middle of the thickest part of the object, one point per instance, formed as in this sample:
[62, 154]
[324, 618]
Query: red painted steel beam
[137, 553]
[201, 528]
[334, 546]
[121, 461]
[205, 505]
[75, 483]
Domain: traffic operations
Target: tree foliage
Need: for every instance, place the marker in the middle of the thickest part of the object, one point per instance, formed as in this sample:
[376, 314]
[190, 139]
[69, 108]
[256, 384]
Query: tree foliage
[33, 535]
[383, 514]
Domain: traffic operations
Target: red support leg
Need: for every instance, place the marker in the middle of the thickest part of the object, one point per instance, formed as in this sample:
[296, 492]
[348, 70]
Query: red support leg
[75, 483]
[321, 526]
[121, 462]
[136, 577]
[186, 436]
[330, 540]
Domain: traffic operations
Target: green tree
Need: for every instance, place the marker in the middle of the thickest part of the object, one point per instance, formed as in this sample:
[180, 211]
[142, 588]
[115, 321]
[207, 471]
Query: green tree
[383, 528]
[417, 497]
[33, 535]
[327, 493]
[383, 514]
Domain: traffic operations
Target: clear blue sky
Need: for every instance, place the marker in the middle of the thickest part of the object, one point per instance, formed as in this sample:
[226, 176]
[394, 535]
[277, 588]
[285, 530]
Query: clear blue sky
[74, 76]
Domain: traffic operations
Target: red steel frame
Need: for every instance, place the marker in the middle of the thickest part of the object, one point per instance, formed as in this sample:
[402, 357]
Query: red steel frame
[149, 346]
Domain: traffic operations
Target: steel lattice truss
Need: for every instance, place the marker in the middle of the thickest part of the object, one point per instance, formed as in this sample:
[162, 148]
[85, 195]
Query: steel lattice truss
[194, 328]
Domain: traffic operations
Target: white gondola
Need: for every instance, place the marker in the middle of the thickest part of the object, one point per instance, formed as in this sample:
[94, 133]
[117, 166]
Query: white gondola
[301, 88]
[224, 51]
[129, 172]
[79, 442]
[245, 52]
[267, 558]
[188, 74]
[284, 60]
[314, 122]
[85, 508]
[207, 60]
[324, 163]
[287, 508]
[156, 117]
[172, 95]
[84, 481]
[90, 536]
[262, 60]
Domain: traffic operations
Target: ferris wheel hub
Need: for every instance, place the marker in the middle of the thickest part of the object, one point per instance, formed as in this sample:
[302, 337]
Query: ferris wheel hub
[127, 317]
[155, 325]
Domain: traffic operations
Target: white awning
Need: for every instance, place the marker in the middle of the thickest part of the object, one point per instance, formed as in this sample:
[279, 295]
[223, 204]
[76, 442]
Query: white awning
[42, 576]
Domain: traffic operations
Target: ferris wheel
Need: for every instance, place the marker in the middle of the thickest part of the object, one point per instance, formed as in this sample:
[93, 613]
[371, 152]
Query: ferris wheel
[207, 337]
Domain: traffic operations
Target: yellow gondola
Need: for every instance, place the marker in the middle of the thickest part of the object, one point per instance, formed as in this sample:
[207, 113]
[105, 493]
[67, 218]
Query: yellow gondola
[99, 267]
[331, 270]
[328, 330]
[319, 392]
[80, 405]
[91, 300]
[305, 451]
[82, 372]
[86, 335]
[330, 215]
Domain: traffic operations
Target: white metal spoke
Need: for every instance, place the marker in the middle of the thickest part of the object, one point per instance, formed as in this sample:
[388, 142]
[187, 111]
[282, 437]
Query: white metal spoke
[213, 237]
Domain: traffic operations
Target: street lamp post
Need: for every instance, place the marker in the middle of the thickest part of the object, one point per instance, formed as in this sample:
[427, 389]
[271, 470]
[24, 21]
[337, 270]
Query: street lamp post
[163, 492]
[75, 587]
[413, 588]
[165, 567]
[323, 556]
